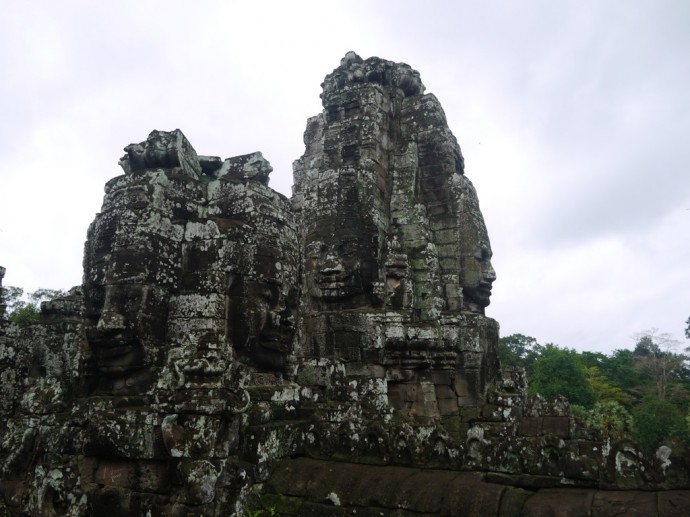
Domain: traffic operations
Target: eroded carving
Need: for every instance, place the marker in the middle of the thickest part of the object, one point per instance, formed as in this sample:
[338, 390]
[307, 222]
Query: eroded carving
[222, 328]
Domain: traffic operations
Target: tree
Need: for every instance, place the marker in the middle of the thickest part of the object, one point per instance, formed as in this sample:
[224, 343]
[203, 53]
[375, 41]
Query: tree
[656, 421]
[12, 297]
[601, 387]
[42, 295]
[687, 329]
[621, 369]
[21, 312]
[658, 358]
[25, 315]
[559, 371]
[517, 350]
[612, 419]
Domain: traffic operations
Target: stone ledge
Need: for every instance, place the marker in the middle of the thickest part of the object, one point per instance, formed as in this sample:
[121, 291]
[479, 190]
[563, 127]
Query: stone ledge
[305, 486]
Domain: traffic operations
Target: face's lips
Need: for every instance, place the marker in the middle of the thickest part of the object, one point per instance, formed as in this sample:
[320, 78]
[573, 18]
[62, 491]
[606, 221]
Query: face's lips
[117, 369]
[269, 334]
[274, 340]
[481, 294]
[328, 278]
[116, 353]
[109, 339]
[121, 364]
[327, 286]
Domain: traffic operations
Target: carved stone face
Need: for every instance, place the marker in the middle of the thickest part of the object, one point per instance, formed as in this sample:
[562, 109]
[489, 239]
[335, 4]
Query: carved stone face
[129, 269]
[125, 324]
[339, 270]
[162, 149]
[478, 276]
[262, 304]
[477, 272]
[157, 150]
[261, 320]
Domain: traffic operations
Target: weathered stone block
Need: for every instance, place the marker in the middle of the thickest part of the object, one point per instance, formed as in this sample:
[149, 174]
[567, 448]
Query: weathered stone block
[673, 503]
[530, 426]
[448, 406]
[467, 495]
[560, 502]
[556, 425]
[624, 503]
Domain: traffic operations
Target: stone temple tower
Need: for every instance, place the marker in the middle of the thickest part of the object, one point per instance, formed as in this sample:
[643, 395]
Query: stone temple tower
[397, 260]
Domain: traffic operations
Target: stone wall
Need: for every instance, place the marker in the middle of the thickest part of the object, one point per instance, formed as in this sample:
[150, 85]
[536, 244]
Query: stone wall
[325, 488]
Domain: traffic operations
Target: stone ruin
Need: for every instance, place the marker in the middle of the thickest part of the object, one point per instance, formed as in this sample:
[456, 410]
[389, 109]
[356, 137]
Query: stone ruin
[231, 349]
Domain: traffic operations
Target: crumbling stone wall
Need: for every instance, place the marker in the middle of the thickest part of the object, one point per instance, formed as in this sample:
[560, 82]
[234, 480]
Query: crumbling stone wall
[226, 339]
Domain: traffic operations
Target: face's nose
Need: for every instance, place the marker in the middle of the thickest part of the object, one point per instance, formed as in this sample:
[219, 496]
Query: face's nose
[332, 265]
[489, 272]
[111, 321]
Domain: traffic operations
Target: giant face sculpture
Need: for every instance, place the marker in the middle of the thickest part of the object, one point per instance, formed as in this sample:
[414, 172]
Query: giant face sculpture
[261, 312]
[126, 311]
[161, 150]
[260, 255]
[261, 321]
[132, 262]
[476, 271]
[478, 276]
[125, 326]
[128, 271]
[340, 266]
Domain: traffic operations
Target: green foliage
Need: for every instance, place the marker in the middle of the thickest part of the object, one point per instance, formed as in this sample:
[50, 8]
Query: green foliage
[645, 346]
[21, 312]
[43, 294]
[257, 506]
[621, 370]
[612, 419]
[579, 412]
[593, 359]
[659, 360]
[657, 421]
[601, 387]
[25, 315]
[559, 371]
[12, 297]
[518, 350]
[687, 328]
[643, 393]
[260, 512]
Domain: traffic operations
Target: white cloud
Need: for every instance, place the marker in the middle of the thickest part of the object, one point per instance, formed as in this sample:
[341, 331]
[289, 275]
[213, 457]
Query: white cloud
[572, 117]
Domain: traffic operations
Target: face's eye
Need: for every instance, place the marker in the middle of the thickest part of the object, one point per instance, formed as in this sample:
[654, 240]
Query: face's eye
[347, 250]
[482, 255]
[316, 249]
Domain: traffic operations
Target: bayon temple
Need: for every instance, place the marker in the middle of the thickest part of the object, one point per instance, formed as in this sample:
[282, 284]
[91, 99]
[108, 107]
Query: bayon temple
[233, 351]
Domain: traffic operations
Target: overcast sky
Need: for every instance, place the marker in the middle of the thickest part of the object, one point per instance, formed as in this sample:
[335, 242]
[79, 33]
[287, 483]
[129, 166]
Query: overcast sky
[573, 117]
